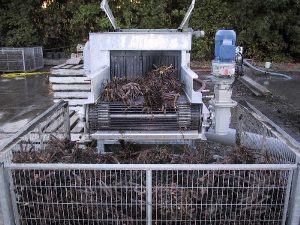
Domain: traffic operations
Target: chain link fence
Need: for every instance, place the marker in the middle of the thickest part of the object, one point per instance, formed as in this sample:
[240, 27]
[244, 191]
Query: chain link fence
[21, 59]
[263, 193]
[255, 131]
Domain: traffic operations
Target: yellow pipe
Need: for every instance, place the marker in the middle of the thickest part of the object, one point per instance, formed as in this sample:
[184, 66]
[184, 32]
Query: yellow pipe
[12, 75]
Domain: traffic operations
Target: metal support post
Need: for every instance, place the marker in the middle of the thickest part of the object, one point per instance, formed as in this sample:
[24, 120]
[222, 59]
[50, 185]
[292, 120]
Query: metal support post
[24, 63]
[294, 211]
[149, 196]
[41, 137]
[5, 199]
[67, 123]
[100, 146]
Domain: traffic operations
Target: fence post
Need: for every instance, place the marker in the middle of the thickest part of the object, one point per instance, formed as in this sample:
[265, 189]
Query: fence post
[67, 129]
[294, 212]
[5, 198]
[41, 137]
[23, 57]
[149, 196]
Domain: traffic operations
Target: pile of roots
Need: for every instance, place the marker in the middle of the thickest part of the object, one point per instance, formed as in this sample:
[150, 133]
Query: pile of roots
[119, 196]
[160, 90]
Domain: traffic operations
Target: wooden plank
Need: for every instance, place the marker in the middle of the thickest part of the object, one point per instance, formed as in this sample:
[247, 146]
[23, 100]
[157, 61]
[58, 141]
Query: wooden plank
[76, 128]
[73, 102]
[80, 66]
[71, 112]
[59, 66]
[74, 61]
[73, 121]
[77, 136]
[69, 80]
[255, 87]
[68, 66]
[71, 87]
[69, 94]
[75, 108]
[70, 72]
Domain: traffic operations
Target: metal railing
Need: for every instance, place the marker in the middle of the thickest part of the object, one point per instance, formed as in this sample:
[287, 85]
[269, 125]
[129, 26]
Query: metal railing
[150, 194]
[21, 59]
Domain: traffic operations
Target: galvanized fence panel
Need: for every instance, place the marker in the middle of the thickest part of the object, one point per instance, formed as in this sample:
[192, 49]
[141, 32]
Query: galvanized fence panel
[150, 194]
[21, 59]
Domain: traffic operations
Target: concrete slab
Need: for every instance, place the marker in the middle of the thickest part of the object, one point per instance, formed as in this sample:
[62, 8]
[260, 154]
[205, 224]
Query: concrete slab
[22, 99]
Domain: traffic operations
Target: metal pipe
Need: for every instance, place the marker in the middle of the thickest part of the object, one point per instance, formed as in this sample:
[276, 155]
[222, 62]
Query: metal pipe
[266, 72]
[5, 198]
[269, 143]
[44, 166]
[149, 196]
[144, 116]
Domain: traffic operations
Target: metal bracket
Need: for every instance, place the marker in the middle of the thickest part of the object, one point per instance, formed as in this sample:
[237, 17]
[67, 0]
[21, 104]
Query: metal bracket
[105, 7]
[185, 22]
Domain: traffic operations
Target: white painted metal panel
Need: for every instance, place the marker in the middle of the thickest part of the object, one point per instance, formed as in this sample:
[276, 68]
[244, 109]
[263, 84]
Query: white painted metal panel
[68, 72]
[97, 81]
[70, 94]
[69, 80]
[73, 102]
[187, 76]
[71, 87]
[145, 135]
[140, 41]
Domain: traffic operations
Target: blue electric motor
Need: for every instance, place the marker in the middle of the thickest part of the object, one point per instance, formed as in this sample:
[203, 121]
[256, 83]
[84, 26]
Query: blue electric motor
[225, 45]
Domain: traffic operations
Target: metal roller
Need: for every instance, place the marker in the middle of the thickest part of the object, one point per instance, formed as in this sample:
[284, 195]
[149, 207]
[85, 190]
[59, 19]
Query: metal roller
[117, 116]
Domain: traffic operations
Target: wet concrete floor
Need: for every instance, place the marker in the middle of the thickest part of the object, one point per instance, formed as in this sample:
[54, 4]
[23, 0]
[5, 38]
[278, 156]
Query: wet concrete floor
[290, 89]
[22, 99]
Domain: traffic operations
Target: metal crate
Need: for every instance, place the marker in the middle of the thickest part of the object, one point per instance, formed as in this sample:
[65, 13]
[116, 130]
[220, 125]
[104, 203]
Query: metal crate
[21, 59]
[149, 194]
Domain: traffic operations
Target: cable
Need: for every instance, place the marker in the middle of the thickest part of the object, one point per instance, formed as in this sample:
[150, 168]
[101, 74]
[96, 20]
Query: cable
[266, 72]
[203, 85]
[47, 49]
[13, 75]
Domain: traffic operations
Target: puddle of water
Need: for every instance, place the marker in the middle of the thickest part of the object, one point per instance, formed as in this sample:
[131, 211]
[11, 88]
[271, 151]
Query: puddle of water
[290, 89]
[13, 126]
[19, 78]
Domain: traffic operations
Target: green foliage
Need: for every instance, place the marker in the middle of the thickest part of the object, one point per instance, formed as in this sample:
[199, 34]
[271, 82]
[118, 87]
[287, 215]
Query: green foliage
[18, 21]
[208, 16]
[269, 29]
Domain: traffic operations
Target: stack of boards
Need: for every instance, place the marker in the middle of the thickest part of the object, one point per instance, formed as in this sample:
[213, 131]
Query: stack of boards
[70, 84]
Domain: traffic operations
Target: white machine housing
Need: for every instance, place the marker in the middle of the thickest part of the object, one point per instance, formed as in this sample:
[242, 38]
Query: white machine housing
[99, 67]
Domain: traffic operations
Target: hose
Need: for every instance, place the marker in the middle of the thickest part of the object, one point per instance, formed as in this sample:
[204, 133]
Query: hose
[203, 85]
[13, 75]
[266, 72]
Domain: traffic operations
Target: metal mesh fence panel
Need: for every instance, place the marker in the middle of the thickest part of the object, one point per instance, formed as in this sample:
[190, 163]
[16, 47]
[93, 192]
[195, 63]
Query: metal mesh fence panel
[21, 59]
[220, 197]
[80, 196]
[121, 196]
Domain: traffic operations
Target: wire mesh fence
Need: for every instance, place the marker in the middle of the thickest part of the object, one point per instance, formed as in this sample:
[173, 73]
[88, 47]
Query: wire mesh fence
[150, 194]
[21, 59]
[253, 132]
